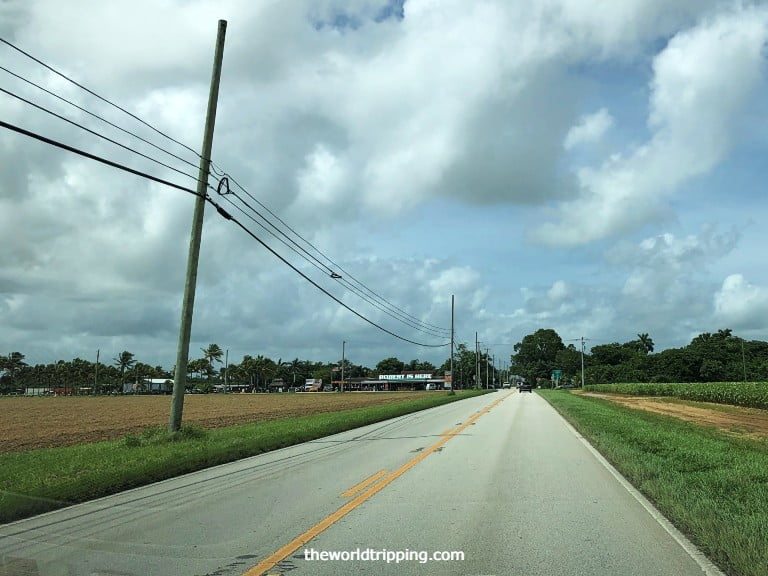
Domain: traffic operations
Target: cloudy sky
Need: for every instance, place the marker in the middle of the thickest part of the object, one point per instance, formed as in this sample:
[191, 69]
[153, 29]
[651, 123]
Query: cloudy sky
[596, 167]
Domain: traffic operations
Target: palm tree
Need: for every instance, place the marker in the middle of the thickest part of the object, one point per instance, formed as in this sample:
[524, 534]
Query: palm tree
[646, 342]
[197, 366]
[264, 366]
[123, 362]
[295, 365]
[212, 354]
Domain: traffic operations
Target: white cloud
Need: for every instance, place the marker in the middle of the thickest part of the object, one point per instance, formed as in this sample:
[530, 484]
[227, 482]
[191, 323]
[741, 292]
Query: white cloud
[558, 291]
[589, 129]
[702, 80]
[321, 179]
[665, 272]
[741, 305]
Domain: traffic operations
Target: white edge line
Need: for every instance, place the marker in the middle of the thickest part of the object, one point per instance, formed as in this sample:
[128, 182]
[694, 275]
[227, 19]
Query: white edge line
[698, 556]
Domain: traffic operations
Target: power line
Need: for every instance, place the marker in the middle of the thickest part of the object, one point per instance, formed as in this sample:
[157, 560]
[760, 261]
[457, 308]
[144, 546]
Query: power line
[385, 305]
[222, 212]
[228, 216]
[74, 150]
[91, 92]
[291, 245]
[394, 310]
[93, 114]
[391, 308]
[352, 288]
[110, 140]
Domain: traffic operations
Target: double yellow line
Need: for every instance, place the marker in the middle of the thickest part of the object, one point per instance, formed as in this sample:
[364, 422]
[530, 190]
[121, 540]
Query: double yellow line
[271, 561]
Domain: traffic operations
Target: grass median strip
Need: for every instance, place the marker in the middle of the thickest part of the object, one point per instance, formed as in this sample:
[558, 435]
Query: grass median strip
[713, 487]
[42, 480]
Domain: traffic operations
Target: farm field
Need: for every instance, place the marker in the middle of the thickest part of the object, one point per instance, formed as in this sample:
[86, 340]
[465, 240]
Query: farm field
[48, 422]
[748, 394]
[737, 420]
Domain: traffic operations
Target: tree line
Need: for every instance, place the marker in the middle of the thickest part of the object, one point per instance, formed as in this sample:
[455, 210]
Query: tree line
[203, 373]
[709, 357]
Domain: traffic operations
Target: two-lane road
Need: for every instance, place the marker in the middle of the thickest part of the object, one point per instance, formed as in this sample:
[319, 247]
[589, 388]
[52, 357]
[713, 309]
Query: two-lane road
[500, 479]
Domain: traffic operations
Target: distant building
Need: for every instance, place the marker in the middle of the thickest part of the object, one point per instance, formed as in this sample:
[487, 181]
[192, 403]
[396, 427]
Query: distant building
[149, 385]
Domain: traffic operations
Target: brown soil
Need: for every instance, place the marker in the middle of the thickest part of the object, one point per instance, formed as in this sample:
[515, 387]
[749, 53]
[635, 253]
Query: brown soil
[46, 422]
[750, 422]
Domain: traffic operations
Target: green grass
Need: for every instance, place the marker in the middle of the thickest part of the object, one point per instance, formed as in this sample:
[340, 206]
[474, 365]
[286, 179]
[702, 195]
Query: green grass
[712, 486]
[749, 394]
[41, 480]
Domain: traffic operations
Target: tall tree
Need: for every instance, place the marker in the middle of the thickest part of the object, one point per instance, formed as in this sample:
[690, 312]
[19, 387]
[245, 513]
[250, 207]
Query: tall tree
[390, 365]
[568, 360]
[646, 342]
[211, 354]
[11, 365]
[264, 367]
[420, 366]
[536, 355]
[124, 361]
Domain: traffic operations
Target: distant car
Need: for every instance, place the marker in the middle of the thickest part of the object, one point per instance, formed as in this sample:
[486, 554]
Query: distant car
[525, 387]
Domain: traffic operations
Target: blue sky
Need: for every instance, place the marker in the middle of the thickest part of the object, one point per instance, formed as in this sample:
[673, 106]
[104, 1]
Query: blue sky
[599, 172]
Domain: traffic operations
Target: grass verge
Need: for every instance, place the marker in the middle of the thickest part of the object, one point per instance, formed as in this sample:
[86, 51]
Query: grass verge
[42, 480]
[713, 487]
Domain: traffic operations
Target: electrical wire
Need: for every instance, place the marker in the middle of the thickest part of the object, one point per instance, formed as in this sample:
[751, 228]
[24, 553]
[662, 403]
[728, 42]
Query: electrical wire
[223, 213]
[374, 299]
[392, 309]
[98, 135]
[93, 114]
[228, 216]
[314, 262]
[74, 150]
[91, 92]
[352, 288]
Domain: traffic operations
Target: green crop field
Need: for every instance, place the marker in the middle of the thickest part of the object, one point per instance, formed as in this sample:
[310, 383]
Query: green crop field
[748, 394]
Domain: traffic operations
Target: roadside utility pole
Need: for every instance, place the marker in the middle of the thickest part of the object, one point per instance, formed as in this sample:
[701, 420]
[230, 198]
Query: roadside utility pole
[96, 374]
[188, 304]
[477, 362]
[486, 369]
[452, 390]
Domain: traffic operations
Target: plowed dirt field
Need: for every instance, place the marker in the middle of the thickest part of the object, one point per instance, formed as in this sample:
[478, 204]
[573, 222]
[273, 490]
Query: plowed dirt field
[45, 422]
[750, 422]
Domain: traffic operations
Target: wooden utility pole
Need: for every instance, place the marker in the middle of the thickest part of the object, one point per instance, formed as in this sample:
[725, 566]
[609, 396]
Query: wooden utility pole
[188, 304]
[477, 362]
[452, 390]
[96, 374]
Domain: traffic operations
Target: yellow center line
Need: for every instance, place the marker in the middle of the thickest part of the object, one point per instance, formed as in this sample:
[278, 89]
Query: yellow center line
[272, 560]
[364, 484]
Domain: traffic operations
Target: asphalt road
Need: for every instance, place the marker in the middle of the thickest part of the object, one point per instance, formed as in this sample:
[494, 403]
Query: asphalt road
[499, 480]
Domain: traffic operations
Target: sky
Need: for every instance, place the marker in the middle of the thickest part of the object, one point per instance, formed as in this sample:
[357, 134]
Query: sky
[594, 167]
